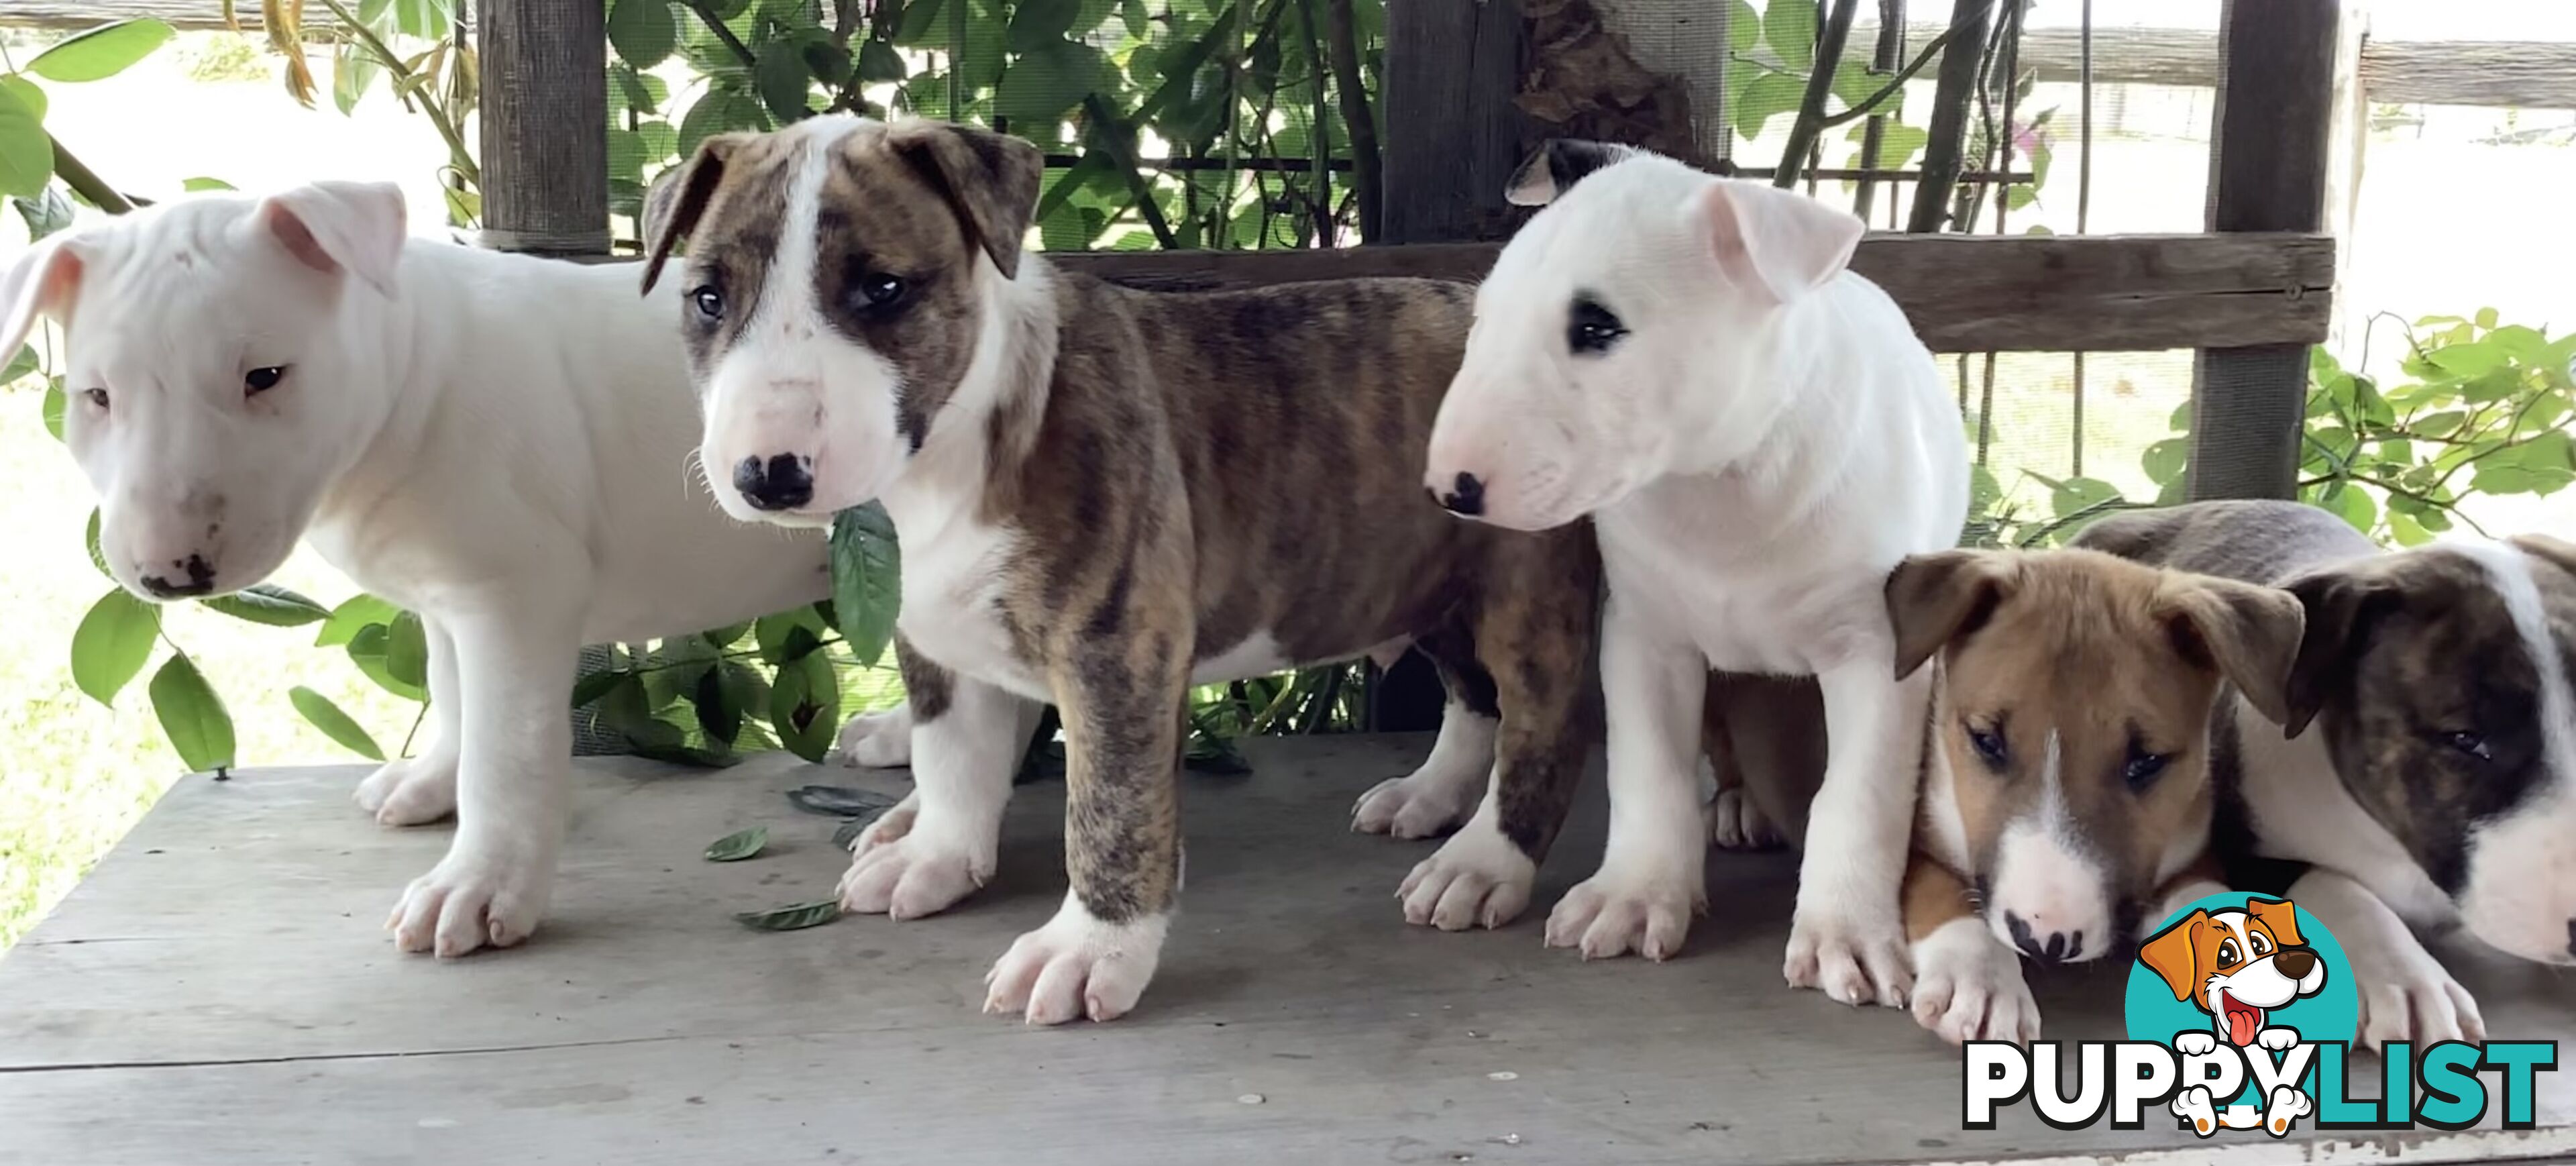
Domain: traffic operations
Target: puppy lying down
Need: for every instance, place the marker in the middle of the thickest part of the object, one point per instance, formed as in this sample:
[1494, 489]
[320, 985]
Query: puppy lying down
[496, 442]
[2066, 790]
[1105, 496]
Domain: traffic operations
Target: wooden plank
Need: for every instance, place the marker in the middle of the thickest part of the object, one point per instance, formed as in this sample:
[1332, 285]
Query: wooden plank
[2019, 293]
[544, 107]
[218, 993]
[2269, 159]
[1452, 134]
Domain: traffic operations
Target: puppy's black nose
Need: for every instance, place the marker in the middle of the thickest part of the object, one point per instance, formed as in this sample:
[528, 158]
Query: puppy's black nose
[2295, 963]
[200, 581]
[2055, 947]
[1466, 497]
[784, 482]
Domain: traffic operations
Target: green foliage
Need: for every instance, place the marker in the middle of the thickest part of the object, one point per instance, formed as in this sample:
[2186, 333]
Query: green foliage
[101, 52]
[192, 716]
[28, 153]
[339, 726]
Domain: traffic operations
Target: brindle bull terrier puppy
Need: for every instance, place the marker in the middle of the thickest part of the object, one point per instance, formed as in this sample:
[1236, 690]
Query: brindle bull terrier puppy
[1106, 496]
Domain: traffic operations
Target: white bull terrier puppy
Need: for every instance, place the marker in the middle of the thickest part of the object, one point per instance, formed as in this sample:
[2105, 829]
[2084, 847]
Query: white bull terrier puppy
[496, 442]
[1759, 437]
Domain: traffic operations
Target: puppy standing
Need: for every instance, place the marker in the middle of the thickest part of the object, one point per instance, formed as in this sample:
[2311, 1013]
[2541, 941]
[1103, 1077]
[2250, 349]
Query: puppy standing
[1105, 496]
[2067, 791]
[496, 442]
[1759, 437]
[2438, 789]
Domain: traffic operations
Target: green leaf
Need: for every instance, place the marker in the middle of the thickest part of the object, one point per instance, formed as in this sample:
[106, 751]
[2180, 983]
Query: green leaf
[112, 643]
[922, 26]
[1039, 87]
[795, 918]
[101, 52]
[784, 82]
[23, 365]
[805, 706]
[719, 111]
[340, 727]
[346, 619]
[2076, 495]
[192, 716]
[26, 154]
[589, 689]
[1763, 96]
[2166, 460]
[55, 403]
[879, 62]
[44, 214]
[726, 636]
[739, 845]
[198, 185]
[867, 584]
[407, 649]
[2354, 504]
[643, 32]
[1039, 23]
[27, 91]
[772, 633]
[2486, 317]
[2407, 531]
[97, 557]
[718, 716]
[1743, 26]
[422, 19]
[352, 73]
[1789, 27]
[367, 651]
[2467, 361]
[267, 603]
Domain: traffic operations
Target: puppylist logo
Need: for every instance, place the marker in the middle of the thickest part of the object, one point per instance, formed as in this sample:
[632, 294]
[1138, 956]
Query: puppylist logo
[2241, 1016]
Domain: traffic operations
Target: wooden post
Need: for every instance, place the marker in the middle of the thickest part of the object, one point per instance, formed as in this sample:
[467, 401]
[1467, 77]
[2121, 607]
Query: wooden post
[1453, 135]
[545, 126]
[2268, 167]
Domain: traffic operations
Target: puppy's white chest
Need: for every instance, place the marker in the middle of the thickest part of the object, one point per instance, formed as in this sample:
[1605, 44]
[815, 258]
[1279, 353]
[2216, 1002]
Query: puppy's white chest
[952, 590]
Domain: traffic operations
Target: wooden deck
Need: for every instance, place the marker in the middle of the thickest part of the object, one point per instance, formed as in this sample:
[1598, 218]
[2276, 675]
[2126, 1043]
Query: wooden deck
[219, 992]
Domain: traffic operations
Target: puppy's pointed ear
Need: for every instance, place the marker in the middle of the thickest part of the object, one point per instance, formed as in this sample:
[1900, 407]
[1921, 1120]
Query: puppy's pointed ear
[1558, 165]
[679, 196]
[2251, 635]
[1936, 599]
[2341, 605]
[331, 227]
[989, 179]
[2556, 552]
[1779, 243]
[2279, 917]
[2174, 953]
[43, 282]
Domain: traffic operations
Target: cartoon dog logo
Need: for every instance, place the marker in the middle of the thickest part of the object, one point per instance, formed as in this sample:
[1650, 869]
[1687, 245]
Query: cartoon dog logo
[2237, 966]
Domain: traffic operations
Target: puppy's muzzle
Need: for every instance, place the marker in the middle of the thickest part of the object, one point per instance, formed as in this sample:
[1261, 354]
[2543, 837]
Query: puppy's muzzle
[1466, 496]
[2051, 948]
[189, 577]
[783, 482]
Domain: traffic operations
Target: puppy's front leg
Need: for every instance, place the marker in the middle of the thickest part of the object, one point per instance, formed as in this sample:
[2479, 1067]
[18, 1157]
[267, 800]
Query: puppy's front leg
[1652, 877]
[514, 663]
[1847, 937]
[1969, 985]
[940, 844]
[420, 789]
[1120, 695]
[2406, 994]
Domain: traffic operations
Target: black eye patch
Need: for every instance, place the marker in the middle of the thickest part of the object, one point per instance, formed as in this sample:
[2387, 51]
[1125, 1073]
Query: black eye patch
[1591, 329]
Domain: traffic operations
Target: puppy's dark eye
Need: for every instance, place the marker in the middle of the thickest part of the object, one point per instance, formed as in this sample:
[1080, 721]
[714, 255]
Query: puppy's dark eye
[2473, 744]
[1989, 744]
[2143, 769]
[1591, 328]
[97, 397]
[2227, 953]
[2262, 947]
[261, 380]
[882, 290]
[710, 303]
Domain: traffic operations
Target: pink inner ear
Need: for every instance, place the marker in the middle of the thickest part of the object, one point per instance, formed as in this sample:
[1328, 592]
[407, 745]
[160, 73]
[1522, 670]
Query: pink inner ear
[299, 240]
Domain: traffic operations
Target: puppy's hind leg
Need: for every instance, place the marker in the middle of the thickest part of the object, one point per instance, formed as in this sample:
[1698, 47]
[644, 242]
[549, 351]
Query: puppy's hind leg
[420, 789]
[1435, 798]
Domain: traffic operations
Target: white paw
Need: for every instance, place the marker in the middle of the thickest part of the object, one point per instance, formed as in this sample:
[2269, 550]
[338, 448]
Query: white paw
[2193, 1105]
[1854, 956]
[1476, 879]
[2415, 1000]
[906, 867]
[877, 740]
[1425, 804]
[2195, 1044]
[2277, 1039]
[1076, 966]
[410, 791]
[475, 897]
[2287, 1106]
[1735, 824]
[1969, 987]
[1636, 905]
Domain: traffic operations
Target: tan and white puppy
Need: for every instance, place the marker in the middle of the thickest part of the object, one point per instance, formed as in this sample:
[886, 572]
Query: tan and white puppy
[2066, 793]
[1105, 496]
[2437, 787]
[1759, 436]
[496, 442]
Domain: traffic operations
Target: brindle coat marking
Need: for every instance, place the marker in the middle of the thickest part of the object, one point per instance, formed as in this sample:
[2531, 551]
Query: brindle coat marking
[1181, 473]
